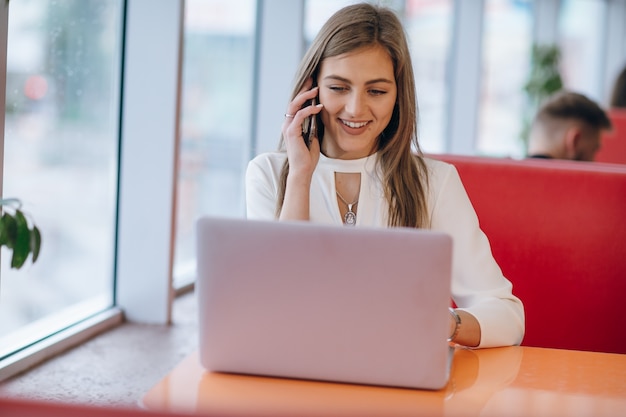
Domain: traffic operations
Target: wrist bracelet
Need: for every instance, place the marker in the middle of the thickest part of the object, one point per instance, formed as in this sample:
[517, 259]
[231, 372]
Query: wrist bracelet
[457, 324]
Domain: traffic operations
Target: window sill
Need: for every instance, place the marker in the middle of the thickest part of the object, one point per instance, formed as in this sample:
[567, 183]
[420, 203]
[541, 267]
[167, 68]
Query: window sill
[59, 342]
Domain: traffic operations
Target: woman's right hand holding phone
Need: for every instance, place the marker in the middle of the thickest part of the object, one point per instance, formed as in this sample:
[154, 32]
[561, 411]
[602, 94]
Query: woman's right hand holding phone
[302, 158]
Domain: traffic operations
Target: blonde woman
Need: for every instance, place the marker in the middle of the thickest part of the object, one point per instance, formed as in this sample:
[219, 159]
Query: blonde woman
[364, 167]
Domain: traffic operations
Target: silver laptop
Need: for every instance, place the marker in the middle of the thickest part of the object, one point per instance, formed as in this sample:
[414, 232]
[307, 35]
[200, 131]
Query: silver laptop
[309, 301]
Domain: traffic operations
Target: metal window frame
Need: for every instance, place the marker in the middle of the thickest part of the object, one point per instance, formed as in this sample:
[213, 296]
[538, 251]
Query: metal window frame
[279, 48]
[4, 29]
[464, 77]
[150, 122]
[614, 45]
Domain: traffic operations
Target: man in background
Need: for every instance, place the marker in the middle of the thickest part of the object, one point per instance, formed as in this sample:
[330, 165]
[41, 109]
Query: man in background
[567, 126]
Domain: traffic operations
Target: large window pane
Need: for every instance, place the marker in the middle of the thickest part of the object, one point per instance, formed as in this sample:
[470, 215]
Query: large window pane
[429, 27]
[61, 160]
[507, 44]
[218, 78]
[581, 38]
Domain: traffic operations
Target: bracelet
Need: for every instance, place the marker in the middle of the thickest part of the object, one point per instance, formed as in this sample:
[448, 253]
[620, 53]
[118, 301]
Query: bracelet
[457, 325]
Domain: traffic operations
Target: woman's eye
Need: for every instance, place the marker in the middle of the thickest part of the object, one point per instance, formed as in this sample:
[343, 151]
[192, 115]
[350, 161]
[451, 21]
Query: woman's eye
[377, 92]
[338, 88]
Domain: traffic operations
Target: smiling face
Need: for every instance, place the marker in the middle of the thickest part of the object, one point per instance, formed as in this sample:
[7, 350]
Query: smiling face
[358, 90]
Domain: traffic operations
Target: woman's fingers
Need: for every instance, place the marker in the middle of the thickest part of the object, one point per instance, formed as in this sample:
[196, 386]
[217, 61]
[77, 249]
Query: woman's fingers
[298, 102]
[298, 112]
[303, 157]
[292, 126]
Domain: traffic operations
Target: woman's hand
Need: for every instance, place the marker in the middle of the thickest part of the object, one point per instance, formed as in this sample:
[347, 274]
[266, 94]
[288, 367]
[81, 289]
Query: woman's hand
[302, 159]
[468, 333]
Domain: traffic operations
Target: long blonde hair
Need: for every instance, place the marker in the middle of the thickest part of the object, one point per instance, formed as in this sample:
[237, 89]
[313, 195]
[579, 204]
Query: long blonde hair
[404, 173]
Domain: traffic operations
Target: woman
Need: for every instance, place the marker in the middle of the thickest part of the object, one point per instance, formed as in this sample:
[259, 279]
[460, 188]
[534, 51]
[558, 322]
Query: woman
[360, 168]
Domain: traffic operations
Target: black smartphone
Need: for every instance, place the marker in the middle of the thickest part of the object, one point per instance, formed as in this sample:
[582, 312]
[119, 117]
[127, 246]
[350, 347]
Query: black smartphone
[309, 127]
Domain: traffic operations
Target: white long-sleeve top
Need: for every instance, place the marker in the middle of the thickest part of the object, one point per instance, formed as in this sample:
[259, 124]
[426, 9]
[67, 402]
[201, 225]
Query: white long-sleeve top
[478, 285]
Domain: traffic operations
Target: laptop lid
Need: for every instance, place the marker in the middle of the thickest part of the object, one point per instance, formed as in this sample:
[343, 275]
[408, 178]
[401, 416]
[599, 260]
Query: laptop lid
[322, 302]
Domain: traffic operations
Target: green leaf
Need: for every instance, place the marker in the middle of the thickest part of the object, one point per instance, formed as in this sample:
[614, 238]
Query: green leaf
[553, 84]
[9, 228]
[4, 235]
[21, 249]
[35, 242]
[16, 234]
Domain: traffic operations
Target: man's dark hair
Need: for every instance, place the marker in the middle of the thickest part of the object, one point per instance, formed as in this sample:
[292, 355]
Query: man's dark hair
[571, 105]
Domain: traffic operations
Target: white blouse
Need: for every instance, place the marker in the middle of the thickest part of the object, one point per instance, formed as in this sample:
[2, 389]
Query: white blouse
[478, 285]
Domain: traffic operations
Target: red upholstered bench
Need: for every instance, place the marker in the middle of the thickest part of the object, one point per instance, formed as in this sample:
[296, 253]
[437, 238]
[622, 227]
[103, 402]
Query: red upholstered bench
[558, 231]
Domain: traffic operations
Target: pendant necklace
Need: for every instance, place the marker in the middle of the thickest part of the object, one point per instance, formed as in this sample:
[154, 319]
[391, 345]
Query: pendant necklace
[350, 217]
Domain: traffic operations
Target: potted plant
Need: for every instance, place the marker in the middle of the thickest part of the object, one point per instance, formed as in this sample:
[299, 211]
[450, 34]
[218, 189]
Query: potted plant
[543, 81]
[21, 236]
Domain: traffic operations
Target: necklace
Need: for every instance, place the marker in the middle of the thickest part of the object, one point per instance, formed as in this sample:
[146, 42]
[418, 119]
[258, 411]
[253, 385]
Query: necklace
[350, 217]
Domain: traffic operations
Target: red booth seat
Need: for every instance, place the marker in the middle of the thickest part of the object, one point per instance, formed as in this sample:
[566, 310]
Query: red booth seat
[558, 231]
[613, 149]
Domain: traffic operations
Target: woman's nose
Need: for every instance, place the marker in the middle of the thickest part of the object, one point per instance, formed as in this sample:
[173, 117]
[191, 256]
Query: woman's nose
[355, 103]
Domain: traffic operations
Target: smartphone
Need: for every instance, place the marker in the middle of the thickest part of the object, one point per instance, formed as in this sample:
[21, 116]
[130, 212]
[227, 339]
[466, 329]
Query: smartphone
[309, 127]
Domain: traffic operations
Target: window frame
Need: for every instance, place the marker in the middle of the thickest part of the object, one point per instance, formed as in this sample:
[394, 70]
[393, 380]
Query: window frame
[142, 285]
[150, 115]
[4, 31]
[277, 21]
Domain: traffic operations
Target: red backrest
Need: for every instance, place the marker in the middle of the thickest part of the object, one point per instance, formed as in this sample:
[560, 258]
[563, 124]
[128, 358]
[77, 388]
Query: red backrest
[558, 231]
[613, 147]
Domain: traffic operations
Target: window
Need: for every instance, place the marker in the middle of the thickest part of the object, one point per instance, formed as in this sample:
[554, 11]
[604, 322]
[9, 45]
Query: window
[507, 44]
[216, 127]
[61, 160]
[581, 38]
[317, 12]
[429, 27]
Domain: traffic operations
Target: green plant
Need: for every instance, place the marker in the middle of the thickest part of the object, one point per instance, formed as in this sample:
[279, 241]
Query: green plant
[17, 233]
[544, 80]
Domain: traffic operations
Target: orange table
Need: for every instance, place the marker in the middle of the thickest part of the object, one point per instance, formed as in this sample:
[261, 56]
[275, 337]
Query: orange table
[511, 381]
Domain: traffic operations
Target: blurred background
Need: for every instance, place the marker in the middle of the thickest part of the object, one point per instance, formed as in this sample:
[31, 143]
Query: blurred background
[62, 118]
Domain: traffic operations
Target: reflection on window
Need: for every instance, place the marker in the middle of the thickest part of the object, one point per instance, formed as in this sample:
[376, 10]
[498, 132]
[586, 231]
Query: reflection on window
[507, 44]
[60, 159]
[581, 30]
[216, 118]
